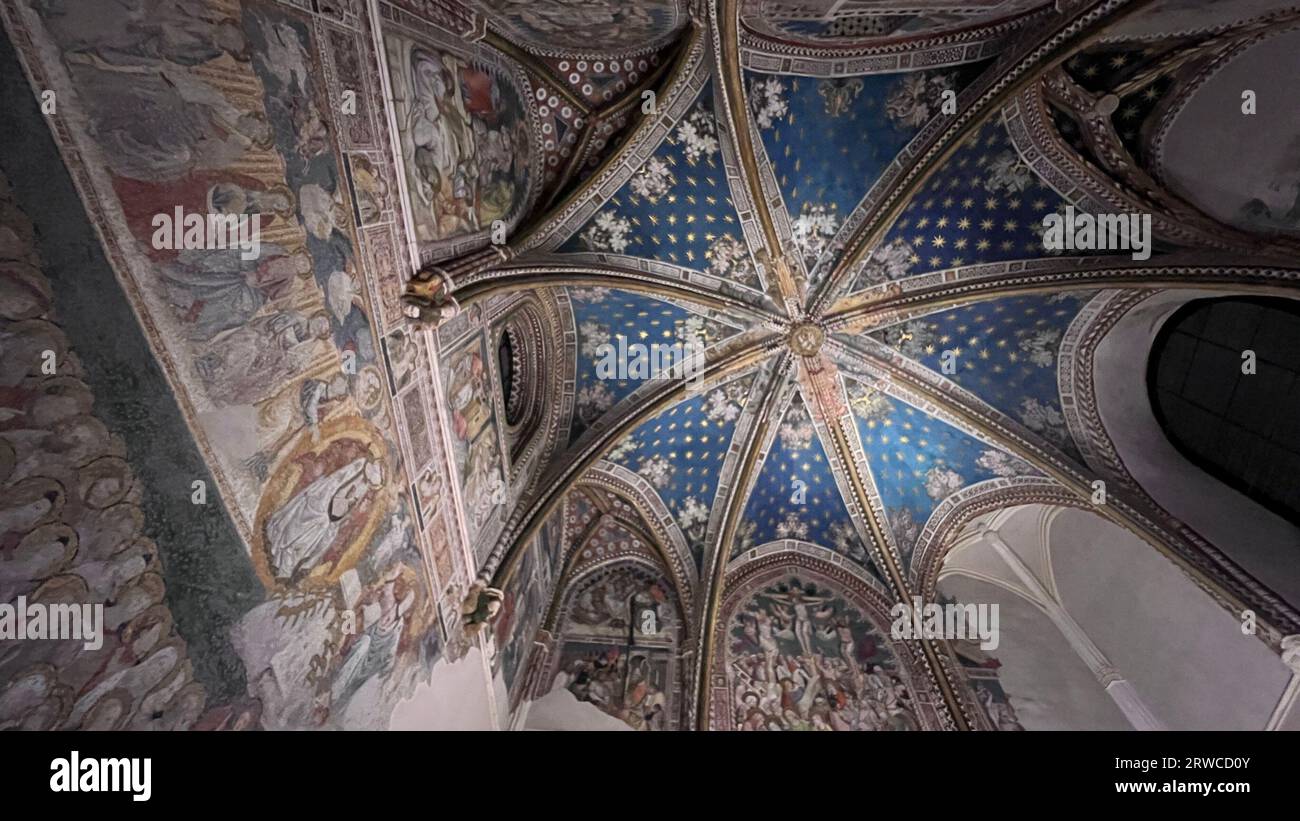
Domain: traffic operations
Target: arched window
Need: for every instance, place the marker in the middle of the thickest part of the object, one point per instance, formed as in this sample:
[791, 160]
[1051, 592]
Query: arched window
[521, 352]
[1224, 383]
[510, 388]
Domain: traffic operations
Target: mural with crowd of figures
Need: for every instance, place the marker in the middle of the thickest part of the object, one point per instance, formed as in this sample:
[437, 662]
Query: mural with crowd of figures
[474, 435]
[524, 603]
[618, 645]
[182, 107]
[464, 139]
[800, 656]
[585, 24]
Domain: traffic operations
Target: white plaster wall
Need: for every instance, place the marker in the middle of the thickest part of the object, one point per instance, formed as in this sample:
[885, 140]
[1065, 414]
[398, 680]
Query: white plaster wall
[1220, 159]
[456, 697]
[1049, 686]
[1264, 544]
[1184, 654]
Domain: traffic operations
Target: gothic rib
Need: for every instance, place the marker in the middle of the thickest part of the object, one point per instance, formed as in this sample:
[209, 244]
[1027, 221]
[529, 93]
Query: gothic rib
[735, 507]
[725, 26]
[1231, 587]
[848, 453]
[727, 357]
[897, 301]
[535, 66]
[993, 89]
[552, 271]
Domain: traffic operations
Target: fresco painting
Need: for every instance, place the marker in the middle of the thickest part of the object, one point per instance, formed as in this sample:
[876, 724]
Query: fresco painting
[222, 108]
[577, 24]
[464, 140]
[475, 448]
[802, 657]
[619, 636]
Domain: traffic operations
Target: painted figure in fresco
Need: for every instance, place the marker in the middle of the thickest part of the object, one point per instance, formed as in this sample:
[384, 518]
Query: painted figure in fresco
[371, 187]
[194, 127]
[803, 621]
[397, 543]
[316, 400]
[122, 31]
[217, 290]
[623, 683]
[374, 653]
[1000, 713]
[285, 56]
[521, 611]
[611, 657]
[282, 643]
[302, 531]
[793, 667]
[484, 488]
[465, 140]
[247, 363]
[231, 198]
[444, 144]
[133, 63]
[403, 356]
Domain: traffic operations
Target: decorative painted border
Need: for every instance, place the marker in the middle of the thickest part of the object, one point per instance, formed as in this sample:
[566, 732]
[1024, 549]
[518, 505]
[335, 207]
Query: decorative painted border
[956, 511]
[767, 48]
[681, 93]
[1187, 32]
[642, 495]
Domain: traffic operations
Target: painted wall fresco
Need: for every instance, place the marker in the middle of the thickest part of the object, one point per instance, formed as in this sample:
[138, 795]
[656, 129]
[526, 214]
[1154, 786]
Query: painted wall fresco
[466, 150]
[476, 447]
[71, 533]
[521, 613]
[800, 656]
[586, 26]
[618, 648]
[221, 108]
[527, 598]
[981, 670]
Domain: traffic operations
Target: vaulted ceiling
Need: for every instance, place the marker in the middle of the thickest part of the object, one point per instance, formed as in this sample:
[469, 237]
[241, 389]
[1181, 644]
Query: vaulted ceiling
[844, 204]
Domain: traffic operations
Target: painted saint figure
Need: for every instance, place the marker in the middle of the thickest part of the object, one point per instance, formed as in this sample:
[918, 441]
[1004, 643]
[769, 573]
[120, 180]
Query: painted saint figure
[302, 531]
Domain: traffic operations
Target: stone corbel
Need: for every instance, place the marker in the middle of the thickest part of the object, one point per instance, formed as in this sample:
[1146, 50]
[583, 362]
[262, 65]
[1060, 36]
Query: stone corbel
[480, 607]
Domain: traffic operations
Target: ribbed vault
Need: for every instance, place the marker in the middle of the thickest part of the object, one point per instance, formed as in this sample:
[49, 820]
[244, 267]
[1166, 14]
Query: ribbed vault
[855, 241]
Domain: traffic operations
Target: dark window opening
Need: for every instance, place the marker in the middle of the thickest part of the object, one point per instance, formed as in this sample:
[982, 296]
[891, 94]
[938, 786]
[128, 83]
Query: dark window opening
[509, 378]
[1242, 428]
